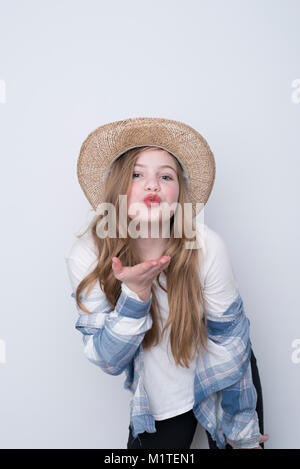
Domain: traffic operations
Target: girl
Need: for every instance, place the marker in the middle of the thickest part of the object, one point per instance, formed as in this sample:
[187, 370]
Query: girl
[165, 310]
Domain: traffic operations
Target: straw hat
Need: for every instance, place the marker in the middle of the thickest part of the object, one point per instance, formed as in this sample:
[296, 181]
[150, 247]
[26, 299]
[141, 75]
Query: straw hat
[108, 142]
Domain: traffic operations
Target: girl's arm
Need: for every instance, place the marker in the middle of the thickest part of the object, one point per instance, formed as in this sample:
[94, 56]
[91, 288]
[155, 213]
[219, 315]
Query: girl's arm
[110, 337]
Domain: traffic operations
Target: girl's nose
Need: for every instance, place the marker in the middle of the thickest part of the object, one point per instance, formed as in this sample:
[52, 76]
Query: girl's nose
[151, 184]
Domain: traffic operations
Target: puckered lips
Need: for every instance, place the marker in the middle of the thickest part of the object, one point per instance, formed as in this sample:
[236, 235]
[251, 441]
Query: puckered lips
[151, 199]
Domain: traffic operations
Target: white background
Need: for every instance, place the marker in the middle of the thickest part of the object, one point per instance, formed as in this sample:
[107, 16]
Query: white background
[224, 67]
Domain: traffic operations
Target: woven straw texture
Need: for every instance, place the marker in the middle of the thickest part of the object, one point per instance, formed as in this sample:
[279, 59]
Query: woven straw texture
[110, 141]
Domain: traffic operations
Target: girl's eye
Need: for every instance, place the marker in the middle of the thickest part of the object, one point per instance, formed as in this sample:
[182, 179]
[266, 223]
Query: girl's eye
[162, 176]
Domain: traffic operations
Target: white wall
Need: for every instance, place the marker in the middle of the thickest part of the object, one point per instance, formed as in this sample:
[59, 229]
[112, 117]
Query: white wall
[67, 67]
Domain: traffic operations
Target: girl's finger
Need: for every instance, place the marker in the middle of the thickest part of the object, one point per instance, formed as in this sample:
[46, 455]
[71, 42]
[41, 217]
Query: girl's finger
[159, 264]
[149, 265]
[264, 438]
[116, 263]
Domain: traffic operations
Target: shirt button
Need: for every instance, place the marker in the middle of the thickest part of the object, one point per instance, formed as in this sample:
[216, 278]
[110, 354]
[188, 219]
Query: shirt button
[209, 425]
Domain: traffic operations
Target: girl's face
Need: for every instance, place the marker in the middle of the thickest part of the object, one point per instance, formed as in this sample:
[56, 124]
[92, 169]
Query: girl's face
[154, 173]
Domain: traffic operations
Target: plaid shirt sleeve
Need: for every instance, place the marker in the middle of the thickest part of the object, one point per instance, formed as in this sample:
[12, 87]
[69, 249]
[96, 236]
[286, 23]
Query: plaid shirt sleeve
[237, 404]
[227, 363]
[110, 337]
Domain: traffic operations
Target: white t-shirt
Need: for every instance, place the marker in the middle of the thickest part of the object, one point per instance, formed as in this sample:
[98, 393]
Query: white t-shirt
[170, 388]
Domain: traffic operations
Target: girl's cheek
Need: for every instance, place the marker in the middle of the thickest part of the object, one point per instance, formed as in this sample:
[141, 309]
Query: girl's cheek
[172, 193]
[133, 194]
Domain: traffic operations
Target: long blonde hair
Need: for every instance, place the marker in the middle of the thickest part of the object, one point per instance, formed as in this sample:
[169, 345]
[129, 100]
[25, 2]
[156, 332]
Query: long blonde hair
[188, 321]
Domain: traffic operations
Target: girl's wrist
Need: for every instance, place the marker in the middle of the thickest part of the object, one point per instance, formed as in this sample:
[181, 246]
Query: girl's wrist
[143, 294]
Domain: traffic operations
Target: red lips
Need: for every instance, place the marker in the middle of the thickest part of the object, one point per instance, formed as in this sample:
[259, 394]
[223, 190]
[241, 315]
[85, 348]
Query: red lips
[152, 198]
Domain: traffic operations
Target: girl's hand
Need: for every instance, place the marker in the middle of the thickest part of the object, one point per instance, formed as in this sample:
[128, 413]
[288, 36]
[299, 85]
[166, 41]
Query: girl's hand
[262, 440]
[139, 278]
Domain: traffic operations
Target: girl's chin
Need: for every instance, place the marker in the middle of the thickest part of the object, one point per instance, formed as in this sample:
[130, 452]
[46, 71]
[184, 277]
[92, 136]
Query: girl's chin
[154, 214]
[150, 217]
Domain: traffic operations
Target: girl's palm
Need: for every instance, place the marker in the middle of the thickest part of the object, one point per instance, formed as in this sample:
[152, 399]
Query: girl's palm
[140, 275]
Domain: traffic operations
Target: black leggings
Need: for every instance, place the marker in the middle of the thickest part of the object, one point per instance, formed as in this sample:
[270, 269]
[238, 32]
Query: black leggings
[178, 432]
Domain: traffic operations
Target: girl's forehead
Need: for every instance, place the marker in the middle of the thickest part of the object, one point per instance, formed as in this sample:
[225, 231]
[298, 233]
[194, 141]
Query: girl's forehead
[156, 157]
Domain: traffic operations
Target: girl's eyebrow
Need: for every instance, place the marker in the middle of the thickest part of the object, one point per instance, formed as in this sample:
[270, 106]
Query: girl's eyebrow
[162, 166]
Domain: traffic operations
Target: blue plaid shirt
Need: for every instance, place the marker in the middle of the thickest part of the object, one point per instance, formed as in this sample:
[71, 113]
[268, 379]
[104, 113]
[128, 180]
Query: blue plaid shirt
[225, 397]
